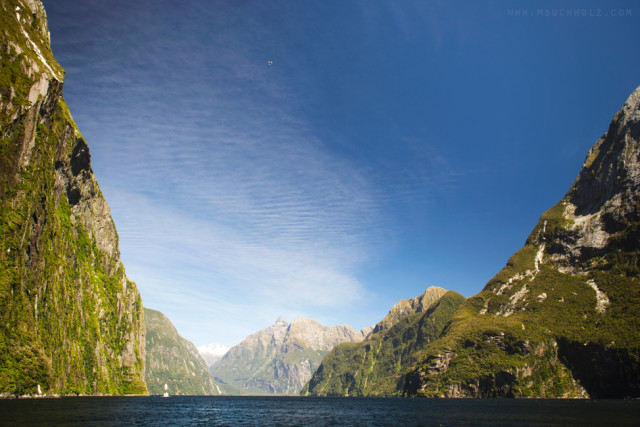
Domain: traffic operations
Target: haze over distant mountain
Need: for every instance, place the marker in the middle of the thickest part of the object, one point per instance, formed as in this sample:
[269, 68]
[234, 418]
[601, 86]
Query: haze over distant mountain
[212, 353]
[280, 359]
[561, 319]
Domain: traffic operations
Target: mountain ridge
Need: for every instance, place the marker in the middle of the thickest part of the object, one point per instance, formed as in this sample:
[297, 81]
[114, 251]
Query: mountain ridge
[282, 357]
[376, 365]
[410, 306]
[560, 319]
[172, 360]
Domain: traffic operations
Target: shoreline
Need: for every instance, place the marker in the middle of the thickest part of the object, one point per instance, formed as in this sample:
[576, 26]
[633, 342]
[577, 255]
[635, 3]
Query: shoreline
[5, 396]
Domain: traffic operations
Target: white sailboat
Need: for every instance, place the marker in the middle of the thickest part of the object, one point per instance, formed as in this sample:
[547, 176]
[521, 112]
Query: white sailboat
[166, 394]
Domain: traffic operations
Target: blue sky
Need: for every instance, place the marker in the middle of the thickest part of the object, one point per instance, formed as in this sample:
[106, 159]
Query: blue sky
[391, 146]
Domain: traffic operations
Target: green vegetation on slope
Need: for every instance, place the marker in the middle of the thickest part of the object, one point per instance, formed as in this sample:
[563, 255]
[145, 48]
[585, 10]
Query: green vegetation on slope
[172, 360]
[59, 294]
[377, 365]
[554, 345]
[70, 320]
[561, 319]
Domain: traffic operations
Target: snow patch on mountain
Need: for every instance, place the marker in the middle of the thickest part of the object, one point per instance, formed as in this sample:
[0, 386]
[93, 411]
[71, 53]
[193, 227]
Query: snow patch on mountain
[212, 353]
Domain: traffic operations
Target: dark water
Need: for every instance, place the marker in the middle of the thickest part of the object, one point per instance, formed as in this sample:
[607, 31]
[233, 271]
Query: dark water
[312, 411]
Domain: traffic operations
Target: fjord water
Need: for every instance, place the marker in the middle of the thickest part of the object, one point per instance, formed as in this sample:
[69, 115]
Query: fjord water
[314, 411]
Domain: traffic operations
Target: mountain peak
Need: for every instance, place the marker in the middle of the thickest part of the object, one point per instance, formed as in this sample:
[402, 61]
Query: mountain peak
[560, 319]
[612, 165]
[602, 201]
[282, 357]
[632, 102]
[375, 366]
[406, 307]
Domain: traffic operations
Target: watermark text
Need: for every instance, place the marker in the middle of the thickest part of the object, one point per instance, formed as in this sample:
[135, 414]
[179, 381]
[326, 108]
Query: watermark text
[578, 12]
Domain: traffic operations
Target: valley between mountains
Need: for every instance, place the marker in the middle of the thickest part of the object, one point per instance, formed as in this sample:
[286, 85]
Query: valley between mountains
[560, 320]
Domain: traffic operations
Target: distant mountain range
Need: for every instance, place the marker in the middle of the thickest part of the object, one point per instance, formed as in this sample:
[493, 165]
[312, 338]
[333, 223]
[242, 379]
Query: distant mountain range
[561, 319]
[280, 359]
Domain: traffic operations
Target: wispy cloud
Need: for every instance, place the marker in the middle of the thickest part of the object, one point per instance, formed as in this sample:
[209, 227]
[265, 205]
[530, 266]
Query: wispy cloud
[229, 205]
[241, 202]
[245, 237]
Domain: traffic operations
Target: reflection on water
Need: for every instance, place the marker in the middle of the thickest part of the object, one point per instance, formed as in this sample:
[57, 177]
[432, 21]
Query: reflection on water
[304, 411]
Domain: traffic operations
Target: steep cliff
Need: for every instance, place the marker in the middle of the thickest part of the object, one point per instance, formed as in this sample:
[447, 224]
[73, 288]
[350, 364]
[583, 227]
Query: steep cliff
[70, 320]
[376, 366]
[281, 358]
[561, 319]
[173, 360]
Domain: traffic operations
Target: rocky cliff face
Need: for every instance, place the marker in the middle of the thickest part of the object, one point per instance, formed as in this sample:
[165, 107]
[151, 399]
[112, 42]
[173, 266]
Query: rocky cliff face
[561, 319]
[376, 366]
[281, 358]
[173, 360]
[405, 307]
[71, 321]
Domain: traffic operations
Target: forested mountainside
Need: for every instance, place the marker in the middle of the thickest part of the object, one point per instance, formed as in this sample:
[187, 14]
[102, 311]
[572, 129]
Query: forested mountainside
[174, 361]
[70, 320]
[561, 319]
[377, 365]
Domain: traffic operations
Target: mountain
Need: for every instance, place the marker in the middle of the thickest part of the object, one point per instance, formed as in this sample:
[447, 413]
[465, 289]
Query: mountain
[376, 366]
[281, 358]
[70, 320]
[173, 360]
[561, 319]
[405, 307]
[212, 353]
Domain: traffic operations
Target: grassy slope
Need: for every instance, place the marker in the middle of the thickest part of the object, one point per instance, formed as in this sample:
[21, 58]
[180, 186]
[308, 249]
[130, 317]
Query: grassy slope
[376, 366]
[553, 348]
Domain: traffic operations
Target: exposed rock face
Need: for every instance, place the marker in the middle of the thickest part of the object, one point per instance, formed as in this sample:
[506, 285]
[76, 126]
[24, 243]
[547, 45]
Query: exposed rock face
[409, 306]
[560, 320]
[376, 366]
[604, 199]
[173, 360]
[71, 321]
[281, 358]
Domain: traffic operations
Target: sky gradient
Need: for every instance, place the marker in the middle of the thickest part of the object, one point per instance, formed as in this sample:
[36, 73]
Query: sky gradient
[390, 146]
